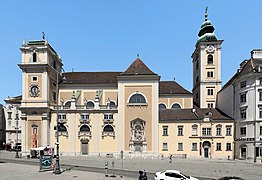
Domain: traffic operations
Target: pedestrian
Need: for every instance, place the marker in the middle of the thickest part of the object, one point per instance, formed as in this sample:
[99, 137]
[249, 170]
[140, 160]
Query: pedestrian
[170, 158]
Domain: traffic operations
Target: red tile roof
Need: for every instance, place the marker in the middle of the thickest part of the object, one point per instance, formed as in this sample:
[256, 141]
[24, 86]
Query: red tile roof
[91, 78]
[137, 68]
[171, 87]
[177, 115]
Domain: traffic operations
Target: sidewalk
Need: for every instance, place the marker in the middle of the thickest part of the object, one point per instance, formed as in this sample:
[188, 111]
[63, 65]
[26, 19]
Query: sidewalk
[201, 168]
[29, 172]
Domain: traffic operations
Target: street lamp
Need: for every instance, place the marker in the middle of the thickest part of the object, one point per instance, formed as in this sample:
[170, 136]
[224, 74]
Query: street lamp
[57, 164]
[16, 145]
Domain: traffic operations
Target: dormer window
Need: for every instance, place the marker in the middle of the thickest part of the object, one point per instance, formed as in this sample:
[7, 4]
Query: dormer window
[34, 57]
[90, 105]
[176, 106]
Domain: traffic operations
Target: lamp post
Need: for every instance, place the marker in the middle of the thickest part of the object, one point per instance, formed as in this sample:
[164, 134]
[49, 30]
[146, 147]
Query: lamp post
[16, 144]
[57, 169]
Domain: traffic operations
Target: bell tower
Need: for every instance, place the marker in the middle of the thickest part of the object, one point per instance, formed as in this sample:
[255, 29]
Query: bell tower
[206, 60]
[39, 68]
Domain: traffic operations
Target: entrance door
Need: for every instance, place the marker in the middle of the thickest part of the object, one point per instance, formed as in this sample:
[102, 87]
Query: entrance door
[206, 152]
[84, 147]
[206, 147]
[243, 152]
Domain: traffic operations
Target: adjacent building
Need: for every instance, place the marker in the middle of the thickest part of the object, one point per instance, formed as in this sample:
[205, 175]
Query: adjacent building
[13, 122]
[241, 99]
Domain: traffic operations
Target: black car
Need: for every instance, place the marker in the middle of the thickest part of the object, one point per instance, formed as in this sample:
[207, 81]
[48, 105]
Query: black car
[230, 178]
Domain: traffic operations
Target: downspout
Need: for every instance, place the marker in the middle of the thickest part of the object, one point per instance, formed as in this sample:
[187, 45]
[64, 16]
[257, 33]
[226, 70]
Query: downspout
[234, 117]
[255, 115]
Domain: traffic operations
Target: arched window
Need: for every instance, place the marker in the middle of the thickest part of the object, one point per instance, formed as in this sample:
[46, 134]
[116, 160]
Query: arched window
[137, 98]
[85, 128]
[34, 57]
[90, 104]
[68, 104]
[112, 104]
[162, 106]
[210, 59]
[176, 106]
[108, 128]
[62, 128]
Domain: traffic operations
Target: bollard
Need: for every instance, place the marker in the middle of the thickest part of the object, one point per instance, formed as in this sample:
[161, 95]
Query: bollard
[113, 168]
[106, 168]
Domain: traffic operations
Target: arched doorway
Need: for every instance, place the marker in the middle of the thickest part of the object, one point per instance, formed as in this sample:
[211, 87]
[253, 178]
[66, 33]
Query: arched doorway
[206, 147]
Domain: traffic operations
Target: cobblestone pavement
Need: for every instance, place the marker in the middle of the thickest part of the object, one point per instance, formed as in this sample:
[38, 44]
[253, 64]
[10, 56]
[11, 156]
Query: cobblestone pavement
[201, 168]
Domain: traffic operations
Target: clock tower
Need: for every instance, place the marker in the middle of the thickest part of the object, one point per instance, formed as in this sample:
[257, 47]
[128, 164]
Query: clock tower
[206, 66]
[39, 64]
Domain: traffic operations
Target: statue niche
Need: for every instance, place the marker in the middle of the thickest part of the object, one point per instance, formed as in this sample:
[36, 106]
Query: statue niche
[138, 140]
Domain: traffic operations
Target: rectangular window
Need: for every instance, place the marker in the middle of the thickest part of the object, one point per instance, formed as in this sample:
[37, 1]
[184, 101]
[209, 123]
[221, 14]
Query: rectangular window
[243, 131]
[260, 112]
[165, 147]
[194, 131]
[210, 92]
[243, 84]
[210, 74]
[62, 116]
[210, 105]
[54, 96]
[108, 116]
[219, 131]
[9, 115]
[219, 147]
[243, 113]
[228, 130]
[180, 147]
[260, 95]
[9, 123]
[180, 130]
[84, 116]
[228, 147]
[260, 81]
[206, 131]
[243, 98]
[34, 78]
[165, 130]
[194, 146]
[260, 130]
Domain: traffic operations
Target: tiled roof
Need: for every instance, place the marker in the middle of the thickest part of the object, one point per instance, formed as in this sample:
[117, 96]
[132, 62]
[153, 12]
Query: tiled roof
[137, 68]
[171, 87]
[177, 115]
[91, 77]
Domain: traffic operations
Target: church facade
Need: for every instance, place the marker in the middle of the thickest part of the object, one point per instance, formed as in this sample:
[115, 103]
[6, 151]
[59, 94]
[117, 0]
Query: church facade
[133, 111]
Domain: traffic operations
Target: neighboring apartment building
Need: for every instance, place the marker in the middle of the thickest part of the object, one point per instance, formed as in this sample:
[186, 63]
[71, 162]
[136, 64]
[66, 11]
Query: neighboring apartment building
[107, 112]
[241, 99]
[13, 121]
[2, 126]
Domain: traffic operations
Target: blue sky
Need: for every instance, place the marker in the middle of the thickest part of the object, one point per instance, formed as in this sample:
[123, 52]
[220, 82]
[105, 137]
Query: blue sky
[106, 35]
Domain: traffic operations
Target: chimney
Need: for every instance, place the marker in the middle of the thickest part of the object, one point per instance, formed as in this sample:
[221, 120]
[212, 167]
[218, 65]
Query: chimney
[256, 54]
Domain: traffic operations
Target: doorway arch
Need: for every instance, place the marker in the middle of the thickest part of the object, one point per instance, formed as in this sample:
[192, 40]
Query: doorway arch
[206, 147]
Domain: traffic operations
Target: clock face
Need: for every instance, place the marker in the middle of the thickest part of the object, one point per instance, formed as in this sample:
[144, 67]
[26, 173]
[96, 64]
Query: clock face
[210, 48]
[34, 91]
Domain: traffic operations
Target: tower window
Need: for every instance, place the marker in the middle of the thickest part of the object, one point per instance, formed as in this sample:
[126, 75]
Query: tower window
[34, 78]
[34, 57]
[210, 74]
[210, 59]
[210, 92]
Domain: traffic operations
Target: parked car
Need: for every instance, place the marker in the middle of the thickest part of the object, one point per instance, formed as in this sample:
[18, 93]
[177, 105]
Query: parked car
[230, 178]
[172, 175]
